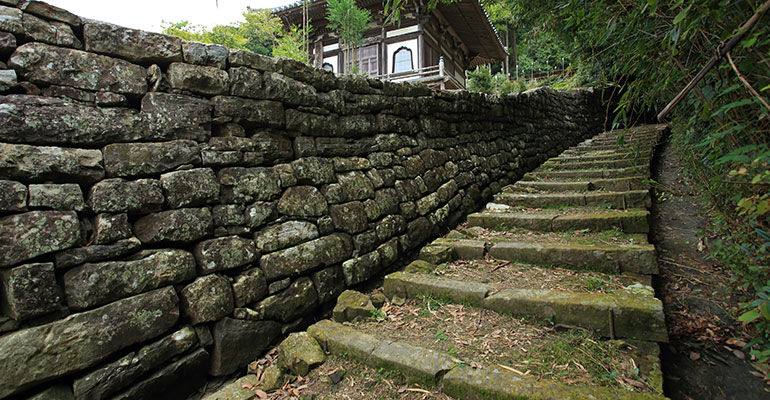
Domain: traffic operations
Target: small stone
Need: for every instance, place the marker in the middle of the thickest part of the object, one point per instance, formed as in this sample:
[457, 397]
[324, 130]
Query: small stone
[190, 188]
[300, 353]
[58, 164]
[111, 227]
[273, 378]
[247, 112]
[352, 306]
[329, 283]
[56, 33]
[96, 252]
[119, 196]
[13, 196]
[360, 269]
[243, 185]
[224, 253]
[184, 224]
[302, 201]
[109, 99]
[10, 20]
[51, 12]
[29, 290]
[436, 254]
[296, 301]
[228, 214]
[175, 116]
[239, 342]
[208, 298]
[349, 217]
[205, 54]
[284, 235]
[356, 186]
[378, 300]
[248, 287]
[260, 213]
[54, 231]
[8, 80]
[198, 79]
[279, 285]
[133, 159]
[313, 171]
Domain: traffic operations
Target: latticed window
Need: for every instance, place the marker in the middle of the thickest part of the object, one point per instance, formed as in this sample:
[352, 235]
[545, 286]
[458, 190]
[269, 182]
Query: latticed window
[328, 67]
[368, 62]
[402, 60]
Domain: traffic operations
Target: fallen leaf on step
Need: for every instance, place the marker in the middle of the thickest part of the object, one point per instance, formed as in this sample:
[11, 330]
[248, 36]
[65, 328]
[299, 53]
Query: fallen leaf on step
[739, 354]
[694, 356]
[261, 394]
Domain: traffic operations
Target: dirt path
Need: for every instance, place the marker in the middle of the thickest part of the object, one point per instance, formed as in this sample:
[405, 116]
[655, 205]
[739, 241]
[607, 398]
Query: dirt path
[704, 359]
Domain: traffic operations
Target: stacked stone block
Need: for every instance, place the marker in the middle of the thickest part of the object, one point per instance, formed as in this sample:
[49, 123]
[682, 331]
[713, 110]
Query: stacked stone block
[169, 209]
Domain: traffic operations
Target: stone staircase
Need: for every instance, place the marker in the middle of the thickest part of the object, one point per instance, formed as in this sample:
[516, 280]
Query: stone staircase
[545, 294]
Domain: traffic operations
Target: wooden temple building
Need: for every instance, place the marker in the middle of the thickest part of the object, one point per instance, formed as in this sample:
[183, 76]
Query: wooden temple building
[433, 46]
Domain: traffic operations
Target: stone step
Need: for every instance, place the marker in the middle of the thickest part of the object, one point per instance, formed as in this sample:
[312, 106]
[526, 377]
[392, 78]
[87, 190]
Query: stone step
[630, 221]
[611, 173]
[566, 157]
[632, 312]
[637, 259]
[616, 200]
[555, 166]
[617, 184]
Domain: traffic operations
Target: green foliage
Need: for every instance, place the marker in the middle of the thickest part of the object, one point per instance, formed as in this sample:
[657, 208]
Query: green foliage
[260, 32]
[350, 23]
[482, 80]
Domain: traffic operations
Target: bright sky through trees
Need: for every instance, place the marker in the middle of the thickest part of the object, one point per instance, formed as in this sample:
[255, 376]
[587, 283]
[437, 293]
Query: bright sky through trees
[149, 14]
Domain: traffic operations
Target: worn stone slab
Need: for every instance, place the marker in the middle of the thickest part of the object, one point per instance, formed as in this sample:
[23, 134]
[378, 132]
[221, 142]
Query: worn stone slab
[237, 390]
[111, 227]
[351, 306]
[640, 259]
[618, 200]
[527, 186]
[54, 231]
[83, 340]
[416, 363]
[29, 290]
[96, 252]
[198, 79]
[190, 188]
[111, 378]
[247, 112]
[51, 12]
[11, 20]
[205, 54]
[360, 269]
[134, 45]
[293, 261]
[57, 164]
[248, 287]
[284, 235]
[207, 299]
[503, 221]
[466, 249]
[54, 32]
[239, 342]
[409, 285]
[181, 225]
[497, 383]
[95, 284]
[436, 254]
[630, 221]
[50, 65]
[589, 173]
[291, 303]
[635, 314]
[242, 185]
[135, 159]
[340, 339]
[45, 120]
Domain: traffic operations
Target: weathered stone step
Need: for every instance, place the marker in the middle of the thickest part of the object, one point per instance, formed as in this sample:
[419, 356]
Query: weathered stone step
[616, 184]
[638, 259]
[613, 173]
[627, 141]
[551, 166]
[617, 200]
[567, 157]
[633, 312]
[630, 221]
[434, 367]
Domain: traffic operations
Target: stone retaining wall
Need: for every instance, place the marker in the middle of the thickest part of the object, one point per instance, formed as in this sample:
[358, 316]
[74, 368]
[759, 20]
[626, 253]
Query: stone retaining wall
[169, 209]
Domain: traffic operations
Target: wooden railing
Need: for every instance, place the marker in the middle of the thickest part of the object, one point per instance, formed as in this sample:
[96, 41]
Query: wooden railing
[433, 76]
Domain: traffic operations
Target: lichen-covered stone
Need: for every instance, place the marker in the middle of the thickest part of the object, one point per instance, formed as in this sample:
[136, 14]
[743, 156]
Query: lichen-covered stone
[351, 306]
[360, 269]
[58, 164]
[207, 299]
[55, 392]
[45, 120]
[418, 231]
[245, 58]
[54, 230]
[175, 381]
[50, 12]
[7, 44]
[198, 79]
[239, 342]
[299, 353]
[259, 213]
[8, 80]
[280, 236]
[273, 146]
[110, 378]
[390, 226]
[135, 159]
[111, 227]
[50, 65]
[57, 197]
[329, 283]
[137, 46]
[13, 196]
[95, 284]
[247, 112]
[175, 116]
[287, 90]
[198, 53]
[184, 224]
[437, 254]
[120, 196]
[96, 252]
[55, 33]
[109, 99]
[228, 214]
[349, 217]
[248, 287]
[313, 171]
[83, 340]
[29, 290]
[274, 378]
[302, 201]
[297, 300]
[388, 252]
[355, 186]
[244, 185]
[224, 253]
[190, 188]
[245, 82]
[293, 261]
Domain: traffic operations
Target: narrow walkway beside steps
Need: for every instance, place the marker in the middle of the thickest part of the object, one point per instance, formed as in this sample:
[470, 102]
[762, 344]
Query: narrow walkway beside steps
[545, 294]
